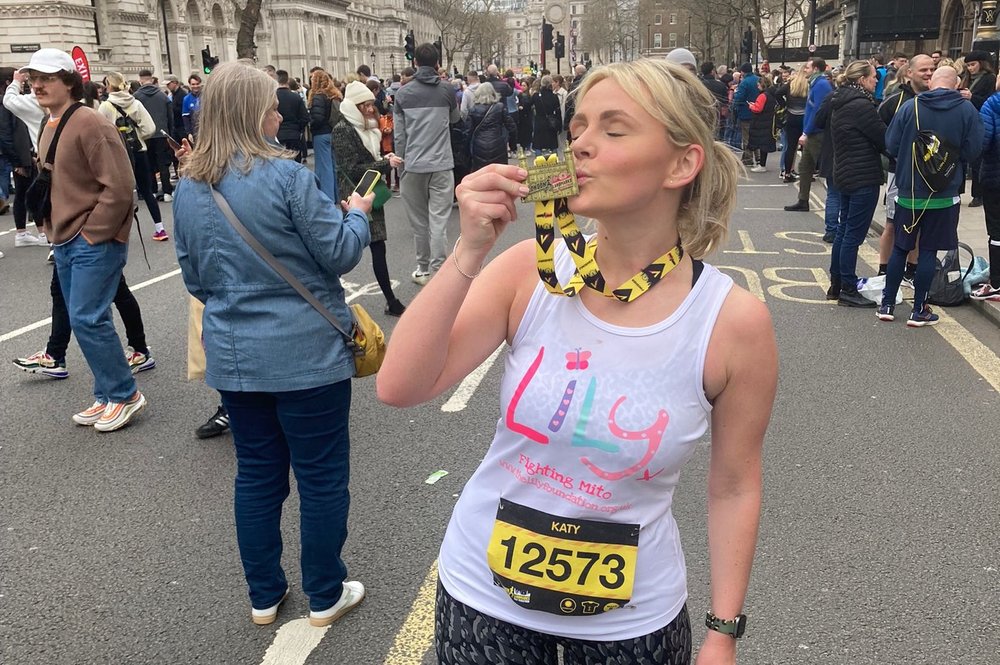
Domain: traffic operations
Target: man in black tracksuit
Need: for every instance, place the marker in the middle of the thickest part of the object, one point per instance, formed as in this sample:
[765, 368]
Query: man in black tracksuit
[161, 110]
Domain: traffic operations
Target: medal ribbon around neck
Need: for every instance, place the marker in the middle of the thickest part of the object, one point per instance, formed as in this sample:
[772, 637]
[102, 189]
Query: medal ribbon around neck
[586, 271]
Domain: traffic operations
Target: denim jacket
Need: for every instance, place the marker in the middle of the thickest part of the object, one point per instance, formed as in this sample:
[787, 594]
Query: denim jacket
[259, 334]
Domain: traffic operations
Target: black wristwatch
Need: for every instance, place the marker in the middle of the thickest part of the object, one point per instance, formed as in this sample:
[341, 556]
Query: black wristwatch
[733, 627]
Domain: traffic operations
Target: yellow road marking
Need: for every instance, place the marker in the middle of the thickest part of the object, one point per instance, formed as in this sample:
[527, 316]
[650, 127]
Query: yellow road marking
[416, 636]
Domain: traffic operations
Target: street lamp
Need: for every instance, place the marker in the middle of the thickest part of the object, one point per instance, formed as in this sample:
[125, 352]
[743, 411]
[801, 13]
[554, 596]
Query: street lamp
[392, 63]
[372, 54]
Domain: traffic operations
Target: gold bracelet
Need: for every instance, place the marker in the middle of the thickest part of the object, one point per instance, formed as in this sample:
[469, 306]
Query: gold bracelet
[454, 258]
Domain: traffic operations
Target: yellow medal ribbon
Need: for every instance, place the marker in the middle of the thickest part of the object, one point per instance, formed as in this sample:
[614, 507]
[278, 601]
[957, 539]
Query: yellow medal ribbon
[586, 271]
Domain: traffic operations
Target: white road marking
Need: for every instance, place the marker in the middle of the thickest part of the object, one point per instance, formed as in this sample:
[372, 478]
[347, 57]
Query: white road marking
[352, 292]
[293, 643]
[460, 398]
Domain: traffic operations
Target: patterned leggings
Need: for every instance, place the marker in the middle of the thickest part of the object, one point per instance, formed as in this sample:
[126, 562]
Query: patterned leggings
[464, 636]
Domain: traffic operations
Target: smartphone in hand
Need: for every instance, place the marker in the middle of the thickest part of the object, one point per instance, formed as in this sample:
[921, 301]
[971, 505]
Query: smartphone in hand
[368, 182]
[174, 145]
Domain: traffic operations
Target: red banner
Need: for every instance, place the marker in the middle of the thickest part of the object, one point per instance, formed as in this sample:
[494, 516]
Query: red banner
[80, 60]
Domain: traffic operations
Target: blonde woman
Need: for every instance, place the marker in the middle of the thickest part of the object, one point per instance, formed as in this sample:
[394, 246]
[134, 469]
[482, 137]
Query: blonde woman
[283, 372]
[125, 111]
[793, 95]
[568, 517]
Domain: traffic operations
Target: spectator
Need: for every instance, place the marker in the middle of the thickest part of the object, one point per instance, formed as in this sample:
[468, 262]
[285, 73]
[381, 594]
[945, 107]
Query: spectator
[472, 82]
[989, 180]
[257, 330]
[981, 82]
[792, 95]
[324, 113]
[294, 116]
[16, 159]
[719, 91]
[489, 129]
[931, 216]
[422, 114]
[762, 128]
[811, 140]
[159, 153]
[191, 106]
[746, 92]
[684, 58]
[547, 117]
[89, 225]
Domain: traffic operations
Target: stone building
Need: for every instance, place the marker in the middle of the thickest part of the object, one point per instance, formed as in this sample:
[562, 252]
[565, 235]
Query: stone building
[128, 35]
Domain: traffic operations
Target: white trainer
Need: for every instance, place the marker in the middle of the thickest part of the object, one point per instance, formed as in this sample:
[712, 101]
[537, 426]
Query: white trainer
[354, 593]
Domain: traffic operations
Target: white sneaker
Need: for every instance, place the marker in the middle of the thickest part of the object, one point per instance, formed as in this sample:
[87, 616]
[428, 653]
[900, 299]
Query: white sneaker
[267, 616]
[420, 277]
[25, 239]
[167, 198]
[51, 258]
[354, 593]
[759, 169]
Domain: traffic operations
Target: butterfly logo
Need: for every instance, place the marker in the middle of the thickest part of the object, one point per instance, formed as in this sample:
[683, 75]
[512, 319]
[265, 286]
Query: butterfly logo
[577, 359]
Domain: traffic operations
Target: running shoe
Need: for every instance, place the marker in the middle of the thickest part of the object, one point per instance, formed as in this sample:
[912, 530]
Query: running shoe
[986, 292]
[758, 169]
[91, 415]
[167, 198]
[161, 235]
[886, 313]
[353, 593]
[139, 361]
[420, 277]
[42, 363]
[925, 317]
[118, 414]
[51, 258]
[908, 281]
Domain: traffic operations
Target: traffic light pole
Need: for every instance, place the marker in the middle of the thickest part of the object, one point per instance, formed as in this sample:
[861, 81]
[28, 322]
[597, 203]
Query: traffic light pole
[541, 38]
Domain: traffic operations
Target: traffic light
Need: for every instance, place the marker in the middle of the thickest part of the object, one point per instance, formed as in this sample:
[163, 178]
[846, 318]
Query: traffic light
[560, 46]
[748, 43]
[410, 45]
[208, 63]
[546, 36]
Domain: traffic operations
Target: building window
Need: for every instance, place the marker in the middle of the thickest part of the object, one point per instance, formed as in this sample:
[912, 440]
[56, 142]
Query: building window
[673, 19]
[658, 19]
[673, 40]
[574, 23]
[657, 40]
[956, 37]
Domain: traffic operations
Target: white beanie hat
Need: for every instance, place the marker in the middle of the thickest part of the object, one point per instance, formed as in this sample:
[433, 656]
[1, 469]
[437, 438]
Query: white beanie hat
[357, 93]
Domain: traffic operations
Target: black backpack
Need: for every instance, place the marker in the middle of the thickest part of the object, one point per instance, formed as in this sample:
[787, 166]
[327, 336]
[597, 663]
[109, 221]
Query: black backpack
[947, 284]
[129, 131]
[936, 160]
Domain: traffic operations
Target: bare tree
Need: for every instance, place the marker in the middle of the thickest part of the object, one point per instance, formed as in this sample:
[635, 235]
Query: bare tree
[610, 29]
[248, 18]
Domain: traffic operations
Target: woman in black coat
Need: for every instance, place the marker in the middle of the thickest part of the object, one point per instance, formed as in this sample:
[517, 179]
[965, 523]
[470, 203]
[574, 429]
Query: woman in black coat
[547, 116]
[858, 143]
[762, 141]
[490, 126]
[525, 116]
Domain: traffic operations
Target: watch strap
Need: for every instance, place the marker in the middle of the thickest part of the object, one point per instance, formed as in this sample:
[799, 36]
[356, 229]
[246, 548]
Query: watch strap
[732, 627]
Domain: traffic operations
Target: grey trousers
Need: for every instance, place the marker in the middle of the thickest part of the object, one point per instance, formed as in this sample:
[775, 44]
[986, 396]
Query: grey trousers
[427, 199]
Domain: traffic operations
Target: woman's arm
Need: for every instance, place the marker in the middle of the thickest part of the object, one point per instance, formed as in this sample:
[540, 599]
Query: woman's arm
[757, 106]
[741, 376]
[457, 322]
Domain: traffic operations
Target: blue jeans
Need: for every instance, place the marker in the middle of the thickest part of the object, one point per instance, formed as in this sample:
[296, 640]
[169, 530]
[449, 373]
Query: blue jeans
[309, 430]
[6, 168]
[857, 208]
[326, 167]
[831, 217]
[89, 276]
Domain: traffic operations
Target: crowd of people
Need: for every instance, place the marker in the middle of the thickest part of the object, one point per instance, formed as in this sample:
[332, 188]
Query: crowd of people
[657, 146]
[855, 126]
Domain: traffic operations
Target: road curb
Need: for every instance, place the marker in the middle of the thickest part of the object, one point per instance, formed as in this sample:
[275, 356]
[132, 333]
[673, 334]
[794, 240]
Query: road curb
[988, 309]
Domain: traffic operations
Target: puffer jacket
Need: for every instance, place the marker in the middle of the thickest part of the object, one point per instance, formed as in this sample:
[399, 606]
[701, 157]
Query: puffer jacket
[489, 127]
[989, 173]
[762, 122]
[858, 140]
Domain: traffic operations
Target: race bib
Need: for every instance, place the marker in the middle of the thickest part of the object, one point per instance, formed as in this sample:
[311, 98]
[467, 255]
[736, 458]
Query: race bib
[565, 566]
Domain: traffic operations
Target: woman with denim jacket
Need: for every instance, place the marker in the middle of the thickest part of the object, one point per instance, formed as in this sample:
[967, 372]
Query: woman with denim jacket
[283, 371]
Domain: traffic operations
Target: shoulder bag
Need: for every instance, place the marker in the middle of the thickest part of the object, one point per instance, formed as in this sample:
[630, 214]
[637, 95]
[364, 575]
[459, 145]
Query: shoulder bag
[365, 340]
[38, 196]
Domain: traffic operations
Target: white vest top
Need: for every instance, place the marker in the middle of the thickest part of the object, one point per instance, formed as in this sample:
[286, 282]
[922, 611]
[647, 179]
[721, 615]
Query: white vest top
[596, 422]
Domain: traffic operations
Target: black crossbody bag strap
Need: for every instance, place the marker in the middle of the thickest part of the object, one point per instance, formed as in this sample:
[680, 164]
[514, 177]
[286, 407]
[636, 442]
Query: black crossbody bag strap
[50, 155]
[279, 268]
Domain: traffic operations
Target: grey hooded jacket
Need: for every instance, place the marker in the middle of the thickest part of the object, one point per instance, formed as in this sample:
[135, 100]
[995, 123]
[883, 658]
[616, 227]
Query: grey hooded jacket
[423, 111]
[158, 105]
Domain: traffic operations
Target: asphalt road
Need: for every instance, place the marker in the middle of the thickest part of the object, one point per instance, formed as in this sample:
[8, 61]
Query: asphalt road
[878, 544]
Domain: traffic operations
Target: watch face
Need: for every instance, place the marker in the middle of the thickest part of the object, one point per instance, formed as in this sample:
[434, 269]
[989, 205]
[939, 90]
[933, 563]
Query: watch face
[555, 14]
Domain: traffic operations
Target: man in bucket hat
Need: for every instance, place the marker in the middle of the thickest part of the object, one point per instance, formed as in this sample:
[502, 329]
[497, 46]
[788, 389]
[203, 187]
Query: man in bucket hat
[89, 223]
